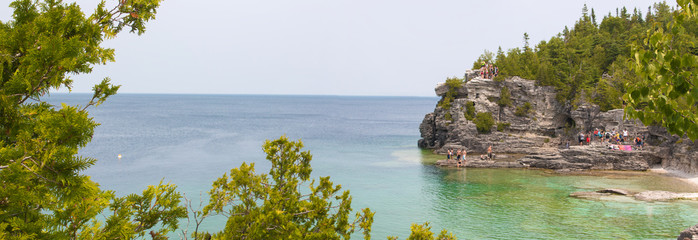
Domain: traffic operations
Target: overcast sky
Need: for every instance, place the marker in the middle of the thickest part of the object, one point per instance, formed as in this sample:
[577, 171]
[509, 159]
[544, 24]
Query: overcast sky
[324, 47]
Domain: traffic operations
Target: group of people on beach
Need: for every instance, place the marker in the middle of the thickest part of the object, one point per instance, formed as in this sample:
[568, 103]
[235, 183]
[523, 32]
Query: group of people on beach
[611, 137]
[460, 156]
[488, 71]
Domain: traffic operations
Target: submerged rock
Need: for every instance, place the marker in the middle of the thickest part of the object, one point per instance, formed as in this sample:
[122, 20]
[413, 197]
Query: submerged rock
[648, 196]
[588, 195]
[616, 191]
[601, 193]
[651, 196]
[690, 233]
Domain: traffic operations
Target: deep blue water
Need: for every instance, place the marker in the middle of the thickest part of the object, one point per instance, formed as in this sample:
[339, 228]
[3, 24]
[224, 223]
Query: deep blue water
[368, 145]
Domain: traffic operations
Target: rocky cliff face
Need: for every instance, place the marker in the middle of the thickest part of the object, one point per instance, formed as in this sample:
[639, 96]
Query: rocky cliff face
[523, 133]
[541, 133]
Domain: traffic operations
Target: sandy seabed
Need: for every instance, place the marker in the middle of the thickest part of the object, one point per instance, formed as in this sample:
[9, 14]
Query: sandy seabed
[686, 177]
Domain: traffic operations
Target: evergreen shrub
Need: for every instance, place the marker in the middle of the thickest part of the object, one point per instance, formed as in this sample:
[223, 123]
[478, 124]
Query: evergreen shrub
[484, 121]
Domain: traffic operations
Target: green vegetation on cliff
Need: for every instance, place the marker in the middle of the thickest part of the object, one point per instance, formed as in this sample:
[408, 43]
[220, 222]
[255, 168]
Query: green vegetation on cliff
[470, 110]
[453, 84]
[590, 60]
[504, 97]
[524, 110]
[484, 121]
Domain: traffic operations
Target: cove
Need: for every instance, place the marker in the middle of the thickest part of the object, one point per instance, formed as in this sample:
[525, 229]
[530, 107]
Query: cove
[368, 145]
[477, 203]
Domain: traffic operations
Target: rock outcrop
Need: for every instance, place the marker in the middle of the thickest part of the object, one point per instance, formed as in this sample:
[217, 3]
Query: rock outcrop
[689, 233]
[531, 131]
[540, 134]
[593, 157]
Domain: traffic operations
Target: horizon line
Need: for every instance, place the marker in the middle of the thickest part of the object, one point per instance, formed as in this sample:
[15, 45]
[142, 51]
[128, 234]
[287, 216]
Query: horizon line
[252, 94]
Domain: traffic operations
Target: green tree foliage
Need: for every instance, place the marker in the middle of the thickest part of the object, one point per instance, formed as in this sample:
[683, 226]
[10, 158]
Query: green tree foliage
[44, 194]
[504, 101]
[575, 60]
[485, 57]
[611, 87]
[502, 125]
[423, 232]
[483, 122]
[523, 111]
[666, 92]
[453, 84]
[282, 204]
[469, 110]
[504, 97]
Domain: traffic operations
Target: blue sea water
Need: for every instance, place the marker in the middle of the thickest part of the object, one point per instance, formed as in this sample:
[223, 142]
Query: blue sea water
[368, 145]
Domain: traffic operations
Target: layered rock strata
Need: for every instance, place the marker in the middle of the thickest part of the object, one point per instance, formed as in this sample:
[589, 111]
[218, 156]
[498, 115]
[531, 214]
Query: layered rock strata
[541, 134]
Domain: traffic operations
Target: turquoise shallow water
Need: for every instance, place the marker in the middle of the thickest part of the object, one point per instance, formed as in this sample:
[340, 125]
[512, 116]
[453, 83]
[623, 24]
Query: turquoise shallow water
[368, 145]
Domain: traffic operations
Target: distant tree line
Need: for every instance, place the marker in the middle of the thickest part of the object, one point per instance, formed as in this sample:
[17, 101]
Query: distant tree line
[590, 61]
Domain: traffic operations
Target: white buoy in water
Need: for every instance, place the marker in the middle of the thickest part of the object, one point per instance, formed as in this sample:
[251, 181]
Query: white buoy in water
[119, 156]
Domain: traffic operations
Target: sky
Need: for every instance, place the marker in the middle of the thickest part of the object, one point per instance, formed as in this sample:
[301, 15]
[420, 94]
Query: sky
[324, 47]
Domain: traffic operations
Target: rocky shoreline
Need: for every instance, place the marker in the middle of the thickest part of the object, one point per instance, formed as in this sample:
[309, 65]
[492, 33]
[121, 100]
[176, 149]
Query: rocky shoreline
[593, 157]
[535, 137]
[539, 136]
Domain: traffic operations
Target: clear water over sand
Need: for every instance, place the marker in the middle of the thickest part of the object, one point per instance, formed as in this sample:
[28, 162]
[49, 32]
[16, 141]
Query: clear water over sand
[368, 145]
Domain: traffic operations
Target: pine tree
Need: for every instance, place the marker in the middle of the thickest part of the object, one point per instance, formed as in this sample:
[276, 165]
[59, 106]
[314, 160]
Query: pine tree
[44, 194]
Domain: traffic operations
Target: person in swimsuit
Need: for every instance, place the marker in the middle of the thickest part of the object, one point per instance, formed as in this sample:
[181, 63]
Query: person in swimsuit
[465, 153]
[458, 158]
[489, 152]
[588, 137]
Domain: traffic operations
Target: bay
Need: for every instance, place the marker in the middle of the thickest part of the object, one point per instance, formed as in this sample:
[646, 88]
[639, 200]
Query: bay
[368, 145]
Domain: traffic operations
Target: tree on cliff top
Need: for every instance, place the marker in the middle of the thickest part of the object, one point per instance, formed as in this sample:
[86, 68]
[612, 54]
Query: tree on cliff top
[44, 195]
[575, 60]
[666, 62]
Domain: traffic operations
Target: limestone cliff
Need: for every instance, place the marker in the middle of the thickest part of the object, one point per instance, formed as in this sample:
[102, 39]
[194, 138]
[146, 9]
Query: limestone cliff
[541, 134]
